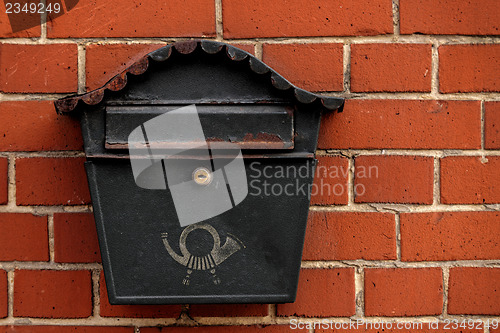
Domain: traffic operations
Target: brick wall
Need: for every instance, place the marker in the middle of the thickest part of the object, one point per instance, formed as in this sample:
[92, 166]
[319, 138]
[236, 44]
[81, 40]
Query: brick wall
[413, 235]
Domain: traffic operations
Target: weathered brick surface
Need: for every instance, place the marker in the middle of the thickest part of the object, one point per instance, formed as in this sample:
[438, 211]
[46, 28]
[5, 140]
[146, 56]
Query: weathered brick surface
[75, 238]
[390, 67]
[50, 68]
[450, 236]
[134, 18]
[23, 237]
[18, 25]
[4, 180]
[134, 311]
[474, 290]
[302, 19]
[397, 292]
[470, 180]
[52, 294]
[330, 185]
[399, 179]
[449, 17]
[405, 124]
[322, 293]
[229, 310]
[35, 126]
[315, 66]
[51, 181]
[469, 68]
[350, 236]
[104, 61]
[492, 125]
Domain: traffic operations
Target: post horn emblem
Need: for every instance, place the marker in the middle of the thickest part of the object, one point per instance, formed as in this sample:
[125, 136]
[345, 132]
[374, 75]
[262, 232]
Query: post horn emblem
[215, 257]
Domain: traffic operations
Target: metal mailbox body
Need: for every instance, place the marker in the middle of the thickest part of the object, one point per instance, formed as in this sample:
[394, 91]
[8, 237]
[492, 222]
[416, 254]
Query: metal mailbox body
[248, 254]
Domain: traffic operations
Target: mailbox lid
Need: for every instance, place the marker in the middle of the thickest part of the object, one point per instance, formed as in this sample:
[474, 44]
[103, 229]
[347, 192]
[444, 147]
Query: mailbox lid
[248, 126]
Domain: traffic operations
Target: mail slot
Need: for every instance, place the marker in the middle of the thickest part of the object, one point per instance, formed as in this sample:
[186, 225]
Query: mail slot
[200, 161]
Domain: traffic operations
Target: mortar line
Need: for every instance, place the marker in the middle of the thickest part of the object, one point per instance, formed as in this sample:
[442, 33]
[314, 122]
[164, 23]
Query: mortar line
[11, 176]
[446, 278]
[329, 264]
[406, 152]
[45, 210]
[397, 219]
[406, 208]
[10, 293]
[435, 69]
[96, 293]
[81, 65]
[347, 68]
[436, 190]
[43, 23]
[50, 228]
[419, 96]
[388, 38]
[223, 321]
[272, 311]
[259, 50]
[359, 281]
[219, 28]
[46, 265]
[350, 181]
[396, 17]
[61, 154]
[483, 115]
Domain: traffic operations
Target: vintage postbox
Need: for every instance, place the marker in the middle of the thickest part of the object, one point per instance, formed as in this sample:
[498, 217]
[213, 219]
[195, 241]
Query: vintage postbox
[200, 161]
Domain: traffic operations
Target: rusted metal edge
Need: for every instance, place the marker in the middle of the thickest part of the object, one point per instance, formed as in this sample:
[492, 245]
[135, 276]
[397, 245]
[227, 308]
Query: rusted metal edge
[68, 104]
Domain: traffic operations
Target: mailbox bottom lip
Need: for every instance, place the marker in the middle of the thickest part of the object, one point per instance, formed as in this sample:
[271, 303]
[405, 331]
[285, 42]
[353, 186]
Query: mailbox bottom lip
[202, 299]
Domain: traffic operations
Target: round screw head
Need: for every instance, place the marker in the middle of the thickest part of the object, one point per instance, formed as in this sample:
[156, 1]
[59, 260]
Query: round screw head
[202, 176]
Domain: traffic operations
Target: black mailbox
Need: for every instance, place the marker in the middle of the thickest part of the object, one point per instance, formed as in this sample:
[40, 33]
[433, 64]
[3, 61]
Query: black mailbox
[200, 165]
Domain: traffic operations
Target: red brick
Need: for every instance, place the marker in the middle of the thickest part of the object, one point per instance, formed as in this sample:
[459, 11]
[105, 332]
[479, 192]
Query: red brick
[323, 293]
[469, 68]
[470, 179]
[51, 181]
[390, 67]
[35, 126]
[66, 329]
[228, 310]
[23, 237]
[52, 294]
[492, 125]
[449, 17]
[50, 68]
[398, 292]
[316, 67]
[4, 180]
[20, 24]
[474, 290]
[75, 238]
[298, 18]
[398, 179]
[403, 124]
[450, 236]
[154, 18]
[350, 236]
[103, 62]
[3, 294]
[330, 181]
[134, 311]
[221, 329]
[250, 48]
